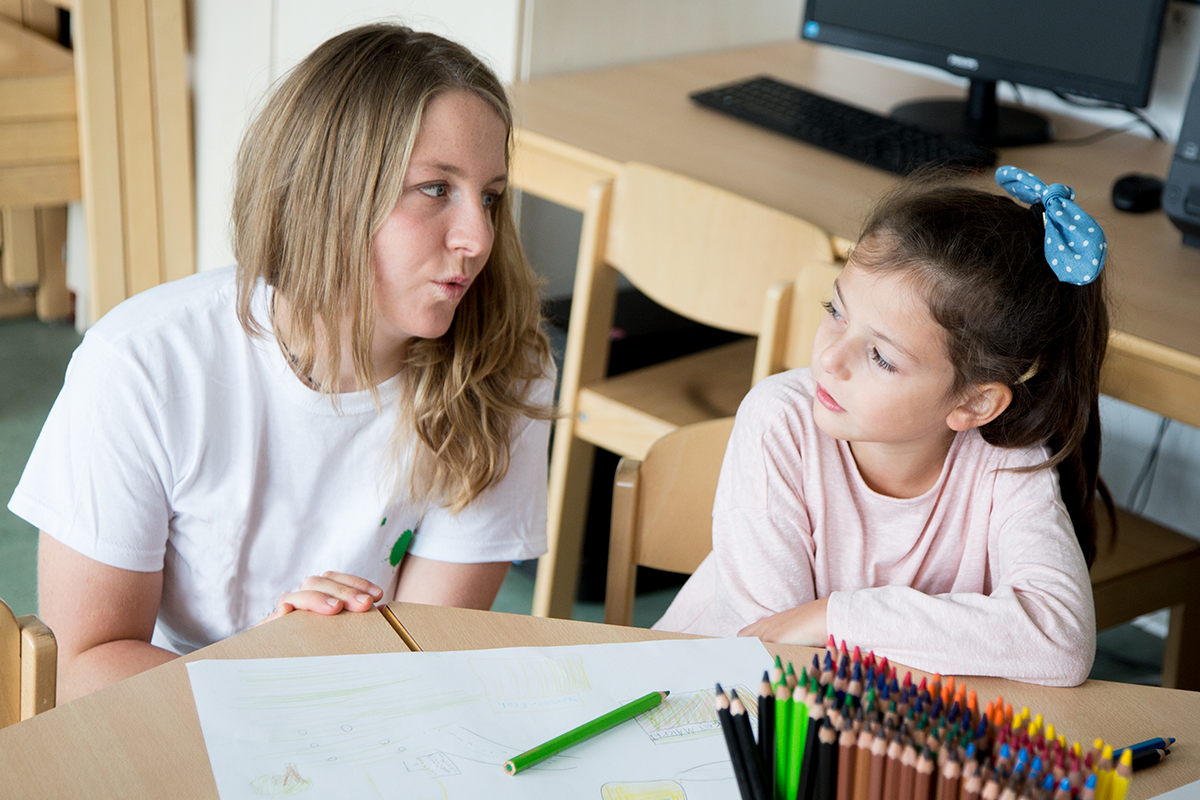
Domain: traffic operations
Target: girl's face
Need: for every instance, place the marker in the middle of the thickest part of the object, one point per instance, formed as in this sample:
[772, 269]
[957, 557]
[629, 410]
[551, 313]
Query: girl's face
[879, 363]
[439, 235]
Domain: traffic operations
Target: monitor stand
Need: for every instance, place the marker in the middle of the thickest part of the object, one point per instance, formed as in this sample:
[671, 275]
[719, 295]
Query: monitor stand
[979, 118]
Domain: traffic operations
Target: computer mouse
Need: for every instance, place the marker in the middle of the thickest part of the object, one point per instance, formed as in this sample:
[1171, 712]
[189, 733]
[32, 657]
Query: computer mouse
[1137, 193]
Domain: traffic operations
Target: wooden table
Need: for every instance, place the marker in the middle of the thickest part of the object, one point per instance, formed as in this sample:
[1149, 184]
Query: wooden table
[141, 737]
[1118, 712]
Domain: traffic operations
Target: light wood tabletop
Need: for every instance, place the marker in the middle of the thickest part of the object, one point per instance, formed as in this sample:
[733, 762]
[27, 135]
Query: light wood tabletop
[141, 737]
[576, 128]
[1117, 712]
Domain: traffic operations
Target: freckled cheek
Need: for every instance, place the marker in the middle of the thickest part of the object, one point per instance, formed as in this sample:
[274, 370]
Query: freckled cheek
[820, 341]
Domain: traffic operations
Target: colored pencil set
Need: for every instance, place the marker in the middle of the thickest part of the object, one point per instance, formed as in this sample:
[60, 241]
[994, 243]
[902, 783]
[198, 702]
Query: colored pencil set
[846, 728]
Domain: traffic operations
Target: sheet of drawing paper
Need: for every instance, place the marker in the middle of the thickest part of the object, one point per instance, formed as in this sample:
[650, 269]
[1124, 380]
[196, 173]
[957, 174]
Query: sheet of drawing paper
[422, 726]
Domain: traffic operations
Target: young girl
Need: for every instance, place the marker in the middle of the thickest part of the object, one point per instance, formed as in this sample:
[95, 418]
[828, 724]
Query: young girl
[925, 488]
[373, 366]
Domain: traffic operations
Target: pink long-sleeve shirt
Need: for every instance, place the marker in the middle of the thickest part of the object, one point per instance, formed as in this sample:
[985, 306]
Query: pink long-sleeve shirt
[980, 575]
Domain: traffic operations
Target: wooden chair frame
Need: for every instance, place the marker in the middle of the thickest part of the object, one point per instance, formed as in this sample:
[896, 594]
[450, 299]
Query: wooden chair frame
[109, 124]
[28, 666]
[701, 252]
[662, 510]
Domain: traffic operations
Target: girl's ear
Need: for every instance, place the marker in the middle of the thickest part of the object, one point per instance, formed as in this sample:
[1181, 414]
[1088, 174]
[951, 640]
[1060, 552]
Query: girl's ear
[982, 405]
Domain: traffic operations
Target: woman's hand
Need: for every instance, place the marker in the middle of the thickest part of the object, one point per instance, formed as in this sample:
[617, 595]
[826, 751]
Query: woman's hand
[329, 593]
[800, 625]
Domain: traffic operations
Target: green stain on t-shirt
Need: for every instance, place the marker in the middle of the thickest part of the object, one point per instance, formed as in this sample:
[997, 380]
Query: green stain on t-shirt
[399, 548]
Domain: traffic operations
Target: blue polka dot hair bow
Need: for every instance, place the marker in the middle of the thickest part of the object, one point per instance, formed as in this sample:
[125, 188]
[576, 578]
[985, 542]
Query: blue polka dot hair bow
[1075, 244]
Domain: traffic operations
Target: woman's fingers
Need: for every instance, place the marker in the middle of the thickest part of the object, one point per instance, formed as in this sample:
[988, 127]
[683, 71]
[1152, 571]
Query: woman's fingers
[358, 594]
[329, 593]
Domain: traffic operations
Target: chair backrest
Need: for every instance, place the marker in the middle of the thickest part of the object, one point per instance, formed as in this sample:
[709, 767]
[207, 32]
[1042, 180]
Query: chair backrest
[792, 312]
[704, 253]
[28, 663]
[662, 510]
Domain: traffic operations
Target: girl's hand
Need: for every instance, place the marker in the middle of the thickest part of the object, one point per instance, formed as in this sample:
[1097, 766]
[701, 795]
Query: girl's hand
[329, 593]
[800, 625]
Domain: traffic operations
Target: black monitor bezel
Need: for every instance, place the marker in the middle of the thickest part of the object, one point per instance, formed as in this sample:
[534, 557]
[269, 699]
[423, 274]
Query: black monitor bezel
[1135, 94]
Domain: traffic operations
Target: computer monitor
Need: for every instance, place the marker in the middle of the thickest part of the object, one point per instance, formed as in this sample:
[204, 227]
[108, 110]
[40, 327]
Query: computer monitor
[1100, 49]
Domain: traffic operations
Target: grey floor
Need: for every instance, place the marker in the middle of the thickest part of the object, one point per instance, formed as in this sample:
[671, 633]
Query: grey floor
[33, 358]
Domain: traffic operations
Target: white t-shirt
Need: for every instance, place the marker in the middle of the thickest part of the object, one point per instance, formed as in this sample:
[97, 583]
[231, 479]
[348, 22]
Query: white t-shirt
[179, 443]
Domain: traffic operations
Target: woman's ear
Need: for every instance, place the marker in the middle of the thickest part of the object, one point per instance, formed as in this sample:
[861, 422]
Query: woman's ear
[982, 404]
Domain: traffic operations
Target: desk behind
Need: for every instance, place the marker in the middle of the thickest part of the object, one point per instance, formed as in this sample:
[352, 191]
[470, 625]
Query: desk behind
[578, 127]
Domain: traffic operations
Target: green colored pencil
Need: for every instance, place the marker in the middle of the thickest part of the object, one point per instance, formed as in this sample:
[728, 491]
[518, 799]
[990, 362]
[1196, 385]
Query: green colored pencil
[585, 731]
[798, 735]
[783, 721]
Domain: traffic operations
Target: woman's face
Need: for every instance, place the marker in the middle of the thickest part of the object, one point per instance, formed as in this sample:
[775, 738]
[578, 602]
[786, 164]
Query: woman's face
[439, 235]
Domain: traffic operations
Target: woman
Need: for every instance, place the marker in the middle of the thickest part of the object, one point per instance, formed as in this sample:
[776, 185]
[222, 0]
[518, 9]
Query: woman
[373, 366]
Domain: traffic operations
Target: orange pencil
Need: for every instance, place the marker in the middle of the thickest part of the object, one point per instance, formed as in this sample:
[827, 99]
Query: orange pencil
[847, 748]
[862, 763]
[878, 757]
[971, 788]
[950, 779]
[908, 770]
[891, 769]
[991, 788]
[923, 776]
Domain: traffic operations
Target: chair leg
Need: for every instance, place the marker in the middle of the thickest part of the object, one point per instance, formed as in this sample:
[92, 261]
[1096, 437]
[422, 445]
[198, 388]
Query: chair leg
[621, 587]
[1181, 653]
[569, 490]
[53, 298]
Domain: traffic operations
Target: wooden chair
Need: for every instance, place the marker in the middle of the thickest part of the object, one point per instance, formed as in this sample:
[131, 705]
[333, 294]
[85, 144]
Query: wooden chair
[662, 504]
[28, 660]
[662, 510]
[1148, 568]
[114, 132]
[792, 312]
[704, 253]
[39, 162]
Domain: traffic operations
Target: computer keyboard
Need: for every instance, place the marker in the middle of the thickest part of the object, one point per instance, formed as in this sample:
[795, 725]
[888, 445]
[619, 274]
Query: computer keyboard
[853, 132]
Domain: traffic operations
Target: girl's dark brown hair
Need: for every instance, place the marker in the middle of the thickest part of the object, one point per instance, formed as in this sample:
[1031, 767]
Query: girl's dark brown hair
[978, 258]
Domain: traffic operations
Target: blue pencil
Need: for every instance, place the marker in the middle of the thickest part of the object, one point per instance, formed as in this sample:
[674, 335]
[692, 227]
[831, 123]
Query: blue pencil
[1158, 743]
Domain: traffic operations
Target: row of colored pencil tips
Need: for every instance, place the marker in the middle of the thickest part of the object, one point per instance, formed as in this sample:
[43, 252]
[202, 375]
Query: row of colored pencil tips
[855, 732]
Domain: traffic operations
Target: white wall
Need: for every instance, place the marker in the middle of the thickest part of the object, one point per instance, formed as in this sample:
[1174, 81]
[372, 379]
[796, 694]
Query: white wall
[568, 35]
[240, 47]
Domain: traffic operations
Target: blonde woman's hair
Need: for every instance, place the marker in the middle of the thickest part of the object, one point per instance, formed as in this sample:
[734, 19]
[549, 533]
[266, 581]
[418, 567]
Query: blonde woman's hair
[319, 171]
